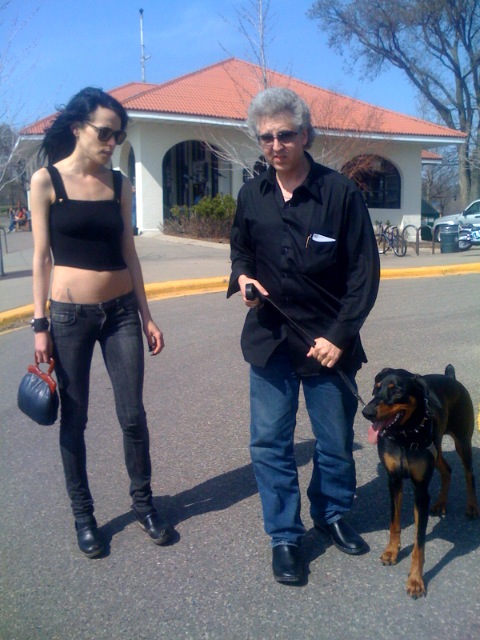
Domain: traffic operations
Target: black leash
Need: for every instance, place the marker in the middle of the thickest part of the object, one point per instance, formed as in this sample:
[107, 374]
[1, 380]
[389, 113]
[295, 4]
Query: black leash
[252, 293]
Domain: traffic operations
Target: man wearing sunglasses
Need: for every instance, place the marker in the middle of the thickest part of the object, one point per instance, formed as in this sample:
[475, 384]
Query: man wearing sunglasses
[303, 236]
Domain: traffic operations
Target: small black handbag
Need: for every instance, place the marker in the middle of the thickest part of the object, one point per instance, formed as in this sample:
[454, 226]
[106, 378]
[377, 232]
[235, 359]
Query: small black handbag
[38, 396]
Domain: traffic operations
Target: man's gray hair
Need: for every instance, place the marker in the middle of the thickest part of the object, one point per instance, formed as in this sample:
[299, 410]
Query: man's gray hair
[274, 101]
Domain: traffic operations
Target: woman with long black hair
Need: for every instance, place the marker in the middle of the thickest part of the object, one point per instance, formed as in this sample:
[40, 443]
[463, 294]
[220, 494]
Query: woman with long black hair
[85, 261]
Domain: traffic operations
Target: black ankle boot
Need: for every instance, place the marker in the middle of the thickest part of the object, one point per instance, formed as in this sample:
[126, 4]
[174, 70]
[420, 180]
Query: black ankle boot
[159, 531]
[89, 540]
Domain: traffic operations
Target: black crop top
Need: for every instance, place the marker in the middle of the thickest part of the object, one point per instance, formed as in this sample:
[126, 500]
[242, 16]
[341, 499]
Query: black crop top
[86, 234]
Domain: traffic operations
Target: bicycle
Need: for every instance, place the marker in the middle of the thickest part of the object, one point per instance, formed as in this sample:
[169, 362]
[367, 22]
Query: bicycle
[391, 238]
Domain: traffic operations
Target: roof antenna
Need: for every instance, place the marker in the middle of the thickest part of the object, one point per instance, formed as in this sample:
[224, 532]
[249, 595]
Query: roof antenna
[143, 58]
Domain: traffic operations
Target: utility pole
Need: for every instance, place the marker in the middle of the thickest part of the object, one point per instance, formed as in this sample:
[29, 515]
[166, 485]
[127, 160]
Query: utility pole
[143, 58]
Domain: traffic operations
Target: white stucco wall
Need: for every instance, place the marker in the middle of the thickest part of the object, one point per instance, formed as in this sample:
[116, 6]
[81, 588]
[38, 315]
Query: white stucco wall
[151, 140]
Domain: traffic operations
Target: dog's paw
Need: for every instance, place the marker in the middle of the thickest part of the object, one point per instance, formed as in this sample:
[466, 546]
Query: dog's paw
[439, 508]
[473, 511]
[416, 587]
[389, 557]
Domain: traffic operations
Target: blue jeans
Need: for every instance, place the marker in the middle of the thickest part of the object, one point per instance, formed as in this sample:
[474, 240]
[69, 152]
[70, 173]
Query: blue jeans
[75, 328]
[331, 406]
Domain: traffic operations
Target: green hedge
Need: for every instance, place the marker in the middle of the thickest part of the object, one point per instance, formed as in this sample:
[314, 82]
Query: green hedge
[209, 218]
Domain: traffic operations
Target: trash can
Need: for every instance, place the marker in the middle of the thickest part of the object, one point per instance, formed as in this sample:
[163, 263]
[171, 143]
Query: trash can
[449, 239]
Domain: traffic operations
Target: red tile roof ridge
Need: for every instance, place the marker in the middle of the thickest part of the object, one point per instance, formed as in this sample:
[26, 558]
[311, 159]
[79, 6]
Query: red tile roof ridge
[39, 126]
[370, 105]
[240, 81]
[332, 92]
[427, 154]
[146, 87]
[210, 67]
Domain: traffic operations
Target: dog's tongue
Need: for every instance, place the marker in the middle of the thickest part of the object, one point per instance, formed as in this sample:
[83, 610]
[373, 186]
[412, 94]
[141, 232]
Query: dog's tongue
[372, 434]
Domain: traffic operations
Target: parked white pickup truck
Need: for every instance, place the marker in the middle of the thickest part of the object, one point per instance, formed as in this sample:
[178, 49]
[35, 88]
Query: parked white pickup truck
[471, 215]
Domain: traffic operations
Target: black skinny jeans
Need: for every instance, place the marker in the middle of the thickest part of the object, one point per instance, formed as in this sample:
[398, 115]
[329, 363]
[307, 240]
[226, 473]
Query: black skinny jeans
[75, 328]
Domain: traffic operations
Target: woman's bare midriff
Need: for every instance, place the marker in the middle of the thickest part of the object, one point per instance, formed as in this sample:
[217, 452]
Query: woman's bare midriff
[83, 286]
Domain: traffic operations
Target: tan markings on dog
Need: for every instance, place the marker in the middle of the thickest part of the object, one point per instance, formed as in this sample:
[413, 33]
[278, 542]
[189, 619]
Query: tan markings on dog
[387, 410]
[418, 469]
[415, 584]
[409, 409]
[391, 462]
[390, 555]
[384, 411]
[440, 506]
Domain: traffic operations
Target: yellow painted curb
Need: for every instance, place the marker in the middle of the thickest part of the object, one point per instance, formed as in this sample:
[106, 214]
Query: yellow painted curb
[430, 272]
[176, 288]
[15, 318]
[156, 291]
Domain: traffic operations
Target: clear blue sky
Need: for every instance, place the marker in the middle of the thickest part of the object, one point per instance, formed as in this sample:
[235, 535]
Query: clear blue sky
[65, 45]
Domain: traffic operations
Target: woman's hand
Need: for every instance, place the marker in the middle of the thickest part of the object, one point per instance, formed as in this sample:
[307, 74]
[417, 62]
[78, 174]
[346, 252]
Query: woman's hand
[242, 282]
[325, 352]
[43, 347]
[154, 337]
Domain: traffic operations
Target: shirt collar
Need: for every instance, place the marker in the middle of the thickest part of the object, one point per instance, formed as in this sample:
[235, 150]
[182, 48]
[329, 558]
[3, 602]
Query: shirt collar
[312, 182]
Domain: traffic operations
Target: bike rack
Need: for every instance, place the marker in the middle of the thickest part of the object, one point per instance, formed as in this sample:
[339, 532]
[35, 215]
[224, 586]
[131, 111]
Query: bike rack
[418, 231]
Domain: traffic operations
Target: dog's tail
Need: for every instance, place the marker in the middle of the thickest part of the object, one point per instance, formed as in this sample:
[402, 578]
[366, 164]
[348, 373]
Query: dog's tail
[450, 371]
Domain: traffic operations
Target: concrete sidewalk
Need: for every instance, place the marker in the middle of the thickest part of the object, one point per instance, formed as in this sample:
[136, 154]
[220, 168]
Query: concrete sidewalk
[181, 266]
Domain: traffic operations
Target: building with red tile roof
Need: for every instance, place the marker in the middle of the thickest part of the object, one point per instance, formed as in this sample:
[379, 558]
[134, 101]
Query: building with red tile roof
[187, 138]
[430, 157]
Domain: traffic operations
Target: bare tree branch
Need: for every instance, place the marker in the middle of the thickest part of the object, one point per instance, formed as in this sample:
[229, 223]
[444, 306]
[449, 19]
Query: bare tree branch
[435, 43]
[252, 24]
[13, 167]
[440, 184]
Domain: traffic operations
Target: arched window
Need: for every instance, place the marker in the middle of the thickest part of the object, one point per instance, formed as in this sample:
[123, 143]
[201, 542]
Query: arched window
[378, 179]
[190, 171]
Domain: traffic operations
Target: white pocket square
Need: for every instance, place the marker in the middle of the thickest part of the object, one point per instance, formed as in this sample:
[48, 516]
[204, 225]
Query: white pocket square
[317, 237]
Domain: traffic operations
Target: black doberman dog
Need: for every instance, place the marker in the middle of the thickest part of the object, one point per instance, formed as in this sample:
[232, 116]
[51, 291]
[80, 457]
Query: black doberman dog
[410, 416]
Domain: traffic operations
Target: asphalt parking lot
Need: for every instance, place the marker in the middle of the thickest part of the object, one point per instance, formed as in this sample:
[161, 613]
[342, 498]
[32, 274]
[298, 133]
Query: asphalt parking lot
[215, 581]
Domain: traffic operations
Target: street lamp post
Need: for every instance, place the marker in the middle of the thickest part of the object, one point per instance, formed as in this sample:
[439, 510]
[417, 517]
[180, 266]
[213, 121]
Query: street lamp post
[143, 57]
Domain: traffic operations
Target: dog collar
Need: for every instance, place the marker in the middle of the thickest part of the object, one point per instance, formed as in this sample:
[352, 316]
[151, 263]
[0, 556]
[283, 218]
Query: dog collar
[418, 438]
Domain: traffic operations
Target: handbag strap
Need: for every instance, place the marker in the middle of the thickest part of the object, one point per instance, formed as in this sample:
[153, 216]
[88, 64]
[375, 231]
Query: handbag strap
[46, 377]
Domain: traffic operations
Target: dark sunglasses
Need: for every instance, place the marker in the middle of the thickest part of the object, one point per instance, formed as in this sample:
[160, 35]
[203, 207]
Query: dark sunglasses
[105, 133]
[283, 137]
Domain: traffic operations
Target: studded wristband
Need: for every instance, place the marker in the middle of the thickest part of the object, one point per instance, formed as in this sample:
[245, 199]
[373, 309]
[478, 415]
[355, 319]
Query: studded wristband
[39, 324]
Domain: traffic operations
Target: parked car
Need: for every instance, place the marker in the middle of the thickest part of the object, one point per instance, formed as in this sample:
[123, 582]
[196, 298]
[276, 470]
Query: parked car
[470, 215]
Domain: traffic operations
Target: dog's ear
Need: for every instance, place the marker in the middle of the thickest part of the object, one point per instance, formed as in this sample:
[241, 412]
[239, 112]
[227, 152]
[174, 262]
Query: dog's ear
[433, 402]
[379, 377]
[383, 373]
[420, 383]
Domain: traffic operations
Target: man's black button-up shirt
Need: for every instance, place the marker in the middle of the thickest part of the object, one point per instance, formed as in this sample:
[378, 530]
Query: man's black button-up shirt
[317, 257]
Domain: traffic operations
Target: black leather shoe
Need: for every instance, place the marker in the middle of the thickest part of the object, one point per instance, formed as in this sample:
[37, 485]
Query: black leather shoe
[344, 537]
[286, 563]
[89, 540]
[160, 532]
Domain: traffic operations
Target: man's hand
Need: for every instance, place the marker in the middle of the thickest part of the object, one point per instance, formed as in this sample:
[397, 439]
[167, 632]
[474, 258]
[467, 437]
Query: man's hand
[326, 353]
[242, 282]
